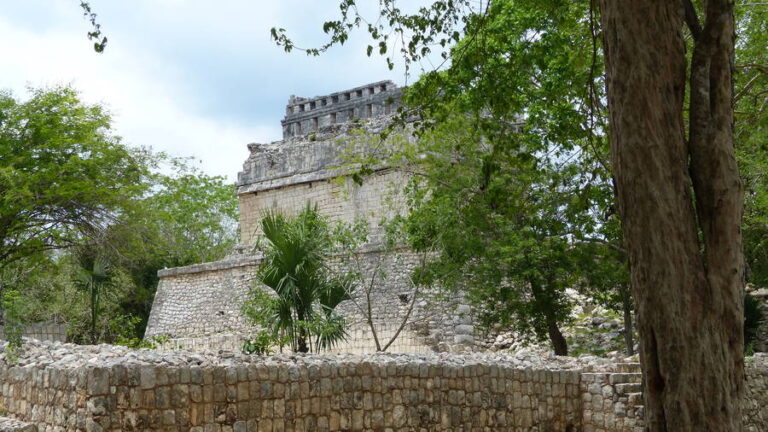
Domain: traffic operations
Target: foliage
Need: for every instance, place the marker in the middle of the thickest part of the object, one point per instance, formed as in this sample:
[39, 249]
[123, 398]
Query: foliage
[506, 235]
[13, 323]
[95, 33]
[261, 344]
[412, 35]
[94, 277]
[67, 182]
[50, 291]
[63, 176]
[510, 186]
[300, 308]
[150, 343]
[188, 218]
[194, 215]
[751, 134]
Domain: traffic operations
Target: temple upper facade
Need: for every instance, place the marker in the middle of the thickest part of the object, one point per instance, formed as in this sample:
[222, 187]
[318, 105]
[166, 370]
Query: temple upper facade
[304, 116]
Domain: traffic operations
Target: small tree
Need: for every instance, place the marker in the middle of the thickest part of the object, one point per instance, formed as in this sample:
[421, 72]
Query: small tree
[368, 275]
[300, 310]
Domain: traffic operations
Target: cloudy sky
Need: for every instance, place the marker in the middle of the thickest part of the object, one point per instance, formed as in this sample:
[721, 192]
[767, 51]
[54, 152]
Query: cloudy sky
[194, 78]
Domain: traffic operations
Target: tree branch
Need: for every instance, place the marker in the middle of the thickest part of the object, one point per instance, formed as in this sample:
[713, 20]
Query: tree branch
[691, 19]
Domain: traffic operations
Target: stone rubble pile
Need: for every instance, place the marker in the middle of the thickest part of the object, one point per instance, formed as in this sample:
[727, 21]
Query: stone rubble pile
[43, 354]
[13, 425]
[592, 329]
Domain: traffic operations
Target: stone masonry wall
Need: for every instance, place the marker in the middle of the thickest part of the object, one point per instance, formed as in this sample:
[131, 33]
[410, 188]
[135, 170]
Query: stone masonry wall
[202, 302]
[199, 308]
[755, 406]
[108, 388]
[305, 116]
[339, 200]
[103, 388]
[613, 400]
[46, 331]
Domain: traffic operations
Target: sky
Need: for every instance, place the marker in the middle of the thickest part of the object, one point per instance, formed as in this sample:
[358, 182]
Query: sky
[193, 78]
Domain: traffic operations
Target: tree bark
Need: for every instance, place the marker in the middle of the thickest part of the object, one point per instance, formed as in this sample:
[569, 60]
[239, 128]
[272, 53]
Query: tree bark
[680, 204]
[556, 337]
[544, 306]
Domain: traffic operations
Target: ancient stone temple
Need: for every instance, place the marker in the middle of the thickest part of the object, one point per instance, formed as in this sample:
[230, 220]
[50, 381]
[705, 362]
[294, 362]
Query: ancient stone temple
[50, 386]
[199, 306]
[306, 115]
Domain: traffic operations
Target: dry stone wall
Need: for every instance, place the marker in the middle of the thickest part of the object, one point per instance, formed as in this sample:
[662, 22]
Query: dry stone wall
[11, 425]
[613, 401]
[61, 387]
[755, 405]
[46, 331]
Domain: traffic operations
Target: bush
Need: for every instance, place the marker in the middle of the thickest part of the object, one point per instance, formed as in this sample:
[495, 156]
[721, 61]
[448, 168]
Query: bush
[299, 307]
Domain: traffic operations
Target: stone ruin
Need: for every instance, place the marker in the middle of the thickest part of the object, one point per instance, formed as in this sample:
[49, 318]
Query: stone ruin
[307, 115]
[56, 387]
[45, 331]
[198, 306]
[417, 386]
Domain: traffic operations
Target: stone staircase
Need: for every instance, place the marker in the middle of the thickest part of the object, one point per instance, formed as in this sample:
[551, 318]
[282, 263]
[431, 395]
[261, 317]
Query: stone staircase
[613, 400]
[628, 386]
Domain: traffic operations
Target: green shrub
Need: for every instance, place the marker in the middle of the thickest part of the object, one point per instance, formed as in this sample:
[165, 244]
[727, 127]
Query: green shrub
[260, 344]
[298, 306]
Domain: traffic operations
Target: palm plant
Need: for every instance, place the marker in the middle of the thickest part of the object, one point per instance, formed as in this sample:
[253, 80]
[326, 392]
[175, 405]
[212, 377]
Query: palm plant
[94, 277]
[301, 308]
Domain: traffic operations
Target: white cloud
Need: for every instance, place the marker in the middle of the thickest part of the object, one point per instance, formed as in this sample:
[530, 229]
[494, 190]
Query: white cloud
[147, 110]
[170, 64]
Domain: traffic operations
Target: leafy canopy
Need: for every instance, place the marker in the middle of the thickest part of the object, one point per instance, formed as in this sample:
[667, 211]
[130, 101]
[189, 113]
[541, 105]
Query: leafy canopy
[67, 182]
[64, 176]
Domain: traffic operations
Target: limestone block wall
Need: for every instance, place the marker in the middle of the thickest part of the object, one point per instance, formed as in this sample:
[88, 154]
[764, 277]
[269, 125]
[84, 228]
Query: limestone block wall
[202, 302]
[46, 331]
[755, 406]
[612, 401]
[338, 199]
[180, 392]
[199, 308]
[102, 388]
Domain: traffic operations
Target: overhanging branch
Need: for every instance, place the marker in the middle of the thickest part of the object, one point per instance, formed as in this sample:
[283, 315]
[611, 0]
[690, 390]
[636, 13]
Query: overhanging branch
[691, 19]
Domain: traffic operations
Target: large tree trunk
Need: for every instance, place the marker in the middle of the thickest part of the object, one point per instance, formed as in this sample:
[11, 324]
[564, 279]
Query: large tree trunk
[680, 204]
